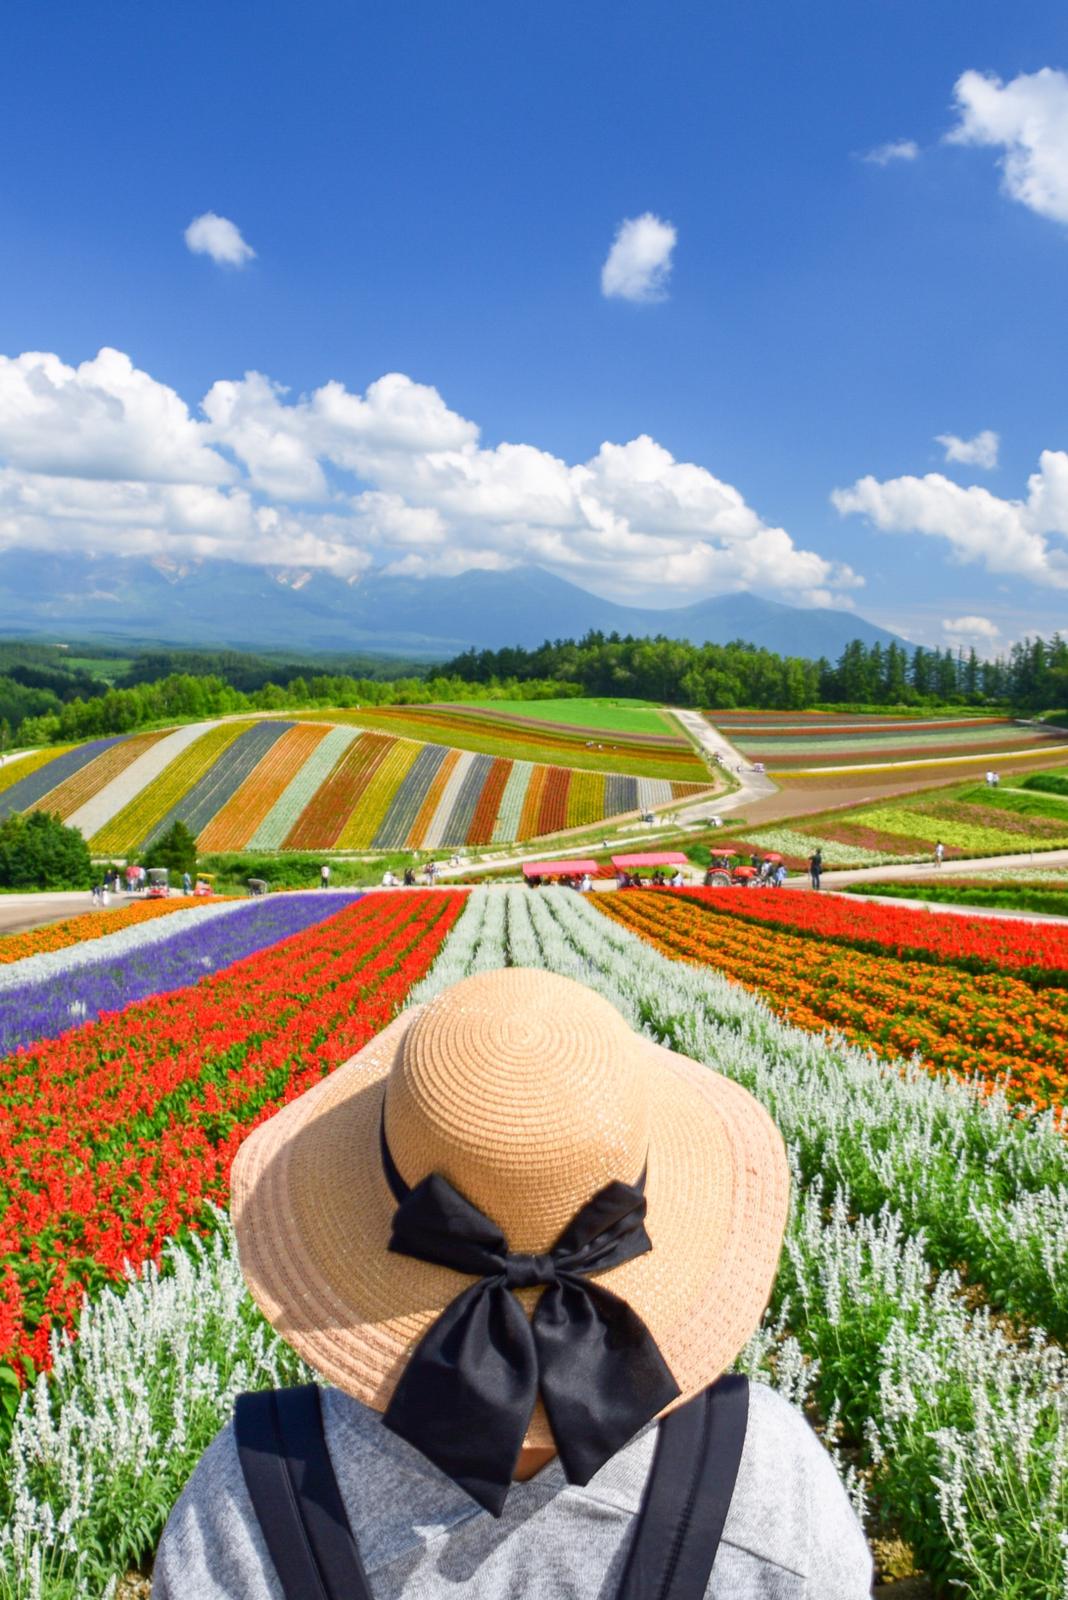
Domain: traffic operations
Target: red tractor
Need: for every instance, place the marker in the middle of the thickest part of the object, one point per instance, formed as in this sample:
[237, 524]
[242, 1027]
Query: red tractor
[723, 873]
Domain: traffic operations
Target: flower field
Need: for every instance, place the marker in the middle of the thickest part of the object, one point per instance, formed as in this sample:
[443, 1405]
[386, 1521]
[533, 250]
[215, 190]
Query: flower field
[1035, 950]
[272, 785]
[594, 736]
[927, 1247]
[151, 810]
[114, 1135]
[813, 742]
[90, 925]
[916, 1000]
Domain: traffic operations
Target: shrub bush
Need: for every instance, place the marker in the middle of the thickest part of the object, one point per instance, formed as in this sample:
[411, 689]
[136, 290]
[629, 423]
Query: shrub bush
[38, 852]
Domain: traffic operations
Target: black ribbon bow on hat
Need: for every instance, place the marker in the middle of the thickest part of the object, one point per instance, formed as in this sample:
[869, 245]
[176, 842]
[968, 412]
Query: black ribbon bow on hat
[466, 1396]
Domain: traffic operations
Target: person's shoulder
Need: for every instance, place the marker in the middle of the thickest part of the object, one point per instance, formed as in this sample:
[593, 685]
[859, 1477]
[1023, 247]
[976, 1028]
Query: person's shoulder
[212, 1547]
[789, 1506]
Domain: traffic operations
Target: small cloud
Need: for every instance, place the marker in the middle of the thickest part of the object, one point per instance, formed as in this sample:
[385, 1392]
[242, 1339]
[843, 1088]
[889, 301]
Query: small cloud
[982, 451]
[895, 150]
[639, 261]
[968, 631]
[219, 238]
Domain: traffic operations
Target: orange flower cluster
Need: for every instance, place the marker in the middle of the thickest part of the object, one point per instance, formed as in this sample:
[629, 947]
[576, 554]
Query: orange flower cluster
[89, 925]
[988, 1026]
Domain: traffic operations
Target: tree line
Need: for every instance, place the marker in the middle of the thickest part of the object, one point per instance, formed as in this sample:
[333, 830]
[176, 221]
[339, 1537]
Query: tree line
[1032, 676]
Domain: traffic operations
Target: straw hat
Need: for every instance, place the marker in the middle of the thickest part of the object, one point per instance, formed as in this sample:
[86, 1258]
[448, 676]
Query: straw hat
[529, 1093]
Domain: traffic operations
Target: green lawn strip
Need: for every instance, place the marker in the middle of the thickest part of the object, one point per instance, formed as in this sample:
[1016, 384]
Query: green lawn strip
[1022, 897]
[594, 715]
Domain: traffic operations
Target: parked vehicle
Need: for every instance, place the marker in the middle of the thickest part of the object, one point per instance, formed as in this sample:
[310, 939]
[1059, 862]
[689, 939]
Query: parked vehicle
[723, 873]
[159, 883]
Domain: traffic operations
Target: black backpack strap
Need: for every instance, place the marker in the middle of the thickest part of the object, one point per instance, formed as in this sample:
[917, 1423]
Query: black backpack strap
[687, 1495]
[294, 1493]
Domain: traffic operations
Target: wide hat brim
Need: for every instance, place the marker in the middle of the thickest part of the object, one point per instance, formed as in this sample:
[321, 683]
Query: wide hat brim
[313, 1211]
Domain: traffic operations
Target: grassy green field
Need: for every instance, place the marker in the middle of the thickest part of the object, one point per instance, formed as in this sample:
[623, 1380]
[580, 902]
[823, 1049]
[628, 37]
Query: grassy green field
[590, 716]
[1050, 898]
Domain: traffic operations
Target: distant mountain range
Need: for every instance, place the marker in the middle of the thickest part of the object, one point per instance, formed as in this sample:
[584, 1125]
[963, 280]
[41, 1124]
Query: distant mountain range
[218, 603]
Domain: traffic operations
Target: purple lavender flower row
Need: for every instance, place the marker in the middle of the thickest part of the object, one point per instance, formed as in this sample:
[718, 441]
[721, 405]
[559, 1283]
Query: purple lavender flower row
[45, 1009]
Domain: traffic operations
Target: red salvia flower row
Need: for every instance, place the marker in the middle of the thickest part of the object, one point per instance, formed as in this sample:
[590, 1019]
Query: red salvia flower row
[1035, 951]
[986, 1026]
[115, 1136]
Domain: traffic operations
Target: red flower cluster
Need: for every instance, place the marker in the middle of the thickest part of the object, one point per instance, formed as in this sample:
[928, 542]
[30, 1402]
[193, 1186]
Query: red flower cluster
[1035, 951]
[986, 1026]
[115, 1136]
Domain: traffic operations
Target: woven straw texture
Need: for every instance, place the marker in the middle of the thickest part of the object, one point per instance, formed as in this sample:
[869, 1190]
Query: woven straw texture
[529, 1093]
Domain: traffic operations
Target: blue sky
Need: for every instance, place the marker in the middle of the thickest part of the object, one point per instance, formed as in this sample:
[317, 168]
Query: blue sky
[433, 191]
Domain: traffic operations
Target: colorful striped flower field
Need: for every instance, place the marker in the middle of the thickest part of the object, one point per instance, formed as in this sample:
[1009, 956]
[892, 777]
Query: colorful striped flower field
[269, 784]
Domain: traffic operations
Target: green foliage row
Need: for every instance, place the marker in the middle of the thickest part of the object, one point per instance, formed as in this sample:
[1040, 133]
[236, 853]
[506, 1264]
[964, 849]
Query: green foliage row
[187, 697]
[1047, 782]
[1007, 897]
[292, 871]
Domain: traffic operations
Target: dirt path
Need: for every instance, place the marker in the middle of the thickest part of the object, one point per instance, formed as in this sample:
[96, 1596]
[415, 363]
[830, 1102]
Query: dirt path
[21, 912]
[923, 871]
[718, 751]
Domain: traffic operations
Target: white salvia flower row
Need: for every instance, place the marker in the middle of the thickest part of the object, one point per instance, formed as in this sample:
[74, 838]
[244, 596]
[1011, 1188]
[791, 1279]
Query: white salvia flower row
[101, 1448]
[137, 936]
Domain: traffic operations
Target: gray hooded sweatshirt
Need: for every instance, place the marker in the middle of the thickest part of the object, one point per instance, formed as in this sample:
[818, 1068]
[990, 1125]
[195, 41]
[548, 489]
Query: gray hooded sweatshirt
[791, 1533]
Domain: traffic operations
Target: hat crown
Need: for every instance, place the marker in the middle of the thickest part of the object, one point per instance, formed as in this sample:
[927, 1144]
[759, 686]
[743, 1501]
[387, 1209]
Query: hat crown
[527, 1092]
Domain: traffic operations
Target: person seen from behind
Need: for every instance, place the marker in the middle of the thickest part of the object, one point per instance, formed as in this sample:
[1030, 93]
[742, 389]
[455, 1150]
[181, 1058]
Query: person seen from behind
[939, 852]
[324, 876]
[815, 867]
[524, 1246]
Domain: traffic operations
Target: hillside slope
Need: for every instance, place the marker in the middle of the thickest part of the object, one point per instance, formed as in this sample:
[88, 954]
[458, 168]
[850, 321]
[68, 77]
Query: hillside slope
[272, 784]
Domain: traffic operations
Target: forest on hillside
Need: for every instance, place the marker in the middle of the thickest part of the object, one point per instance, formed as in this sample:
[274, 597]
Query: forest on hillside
[42, 704]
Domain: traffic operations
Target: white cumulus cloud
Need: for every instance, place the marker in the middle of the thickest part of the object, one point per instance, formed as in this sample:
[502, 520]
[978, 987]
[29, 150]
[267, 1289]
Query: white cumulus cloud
[219, 238]
[982, 451]
[893, 150]
[1027, 119]
[105, 458]
[1026, 538]
[639, 263]
[970, 631]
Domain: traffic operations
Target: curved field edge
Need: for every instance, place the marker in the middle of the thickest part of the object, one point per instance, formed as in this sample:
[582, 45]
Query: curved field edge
[862, 1321]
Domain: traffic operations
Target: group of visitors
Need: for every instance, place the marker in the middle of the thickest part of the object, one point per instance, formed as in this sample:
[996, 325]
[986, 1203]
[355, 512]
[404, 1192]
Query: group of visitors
[658, 880]
[581, 882]
[391, 881]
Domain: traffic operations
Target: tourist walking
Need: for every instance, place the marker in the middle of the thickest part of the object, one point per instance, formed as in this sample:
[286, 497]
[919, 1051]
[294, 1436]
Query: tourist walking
[815, 867]
[508, 1197]
[324, 876]
[187, 883]
[940, 851]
